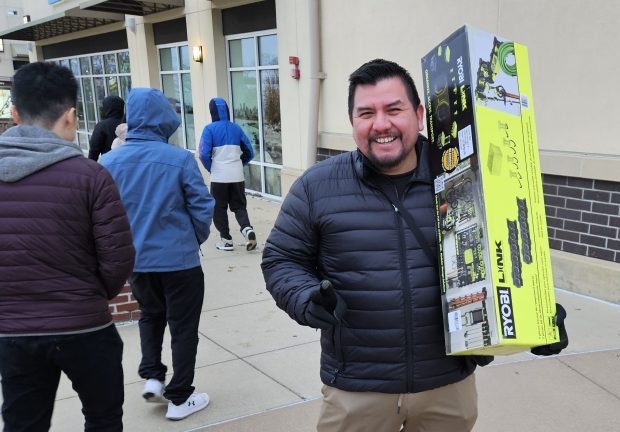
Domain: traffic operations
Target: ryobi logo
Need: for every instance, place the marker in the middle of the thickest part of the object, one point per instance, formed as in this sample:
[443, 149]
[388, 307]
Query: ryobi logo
[460, 69]
[505, 309]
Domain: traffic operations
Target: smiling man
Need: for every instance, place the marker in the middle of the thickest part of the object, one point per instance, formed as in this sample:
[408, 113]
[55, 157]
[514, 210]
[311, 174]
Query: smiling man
[383, 358]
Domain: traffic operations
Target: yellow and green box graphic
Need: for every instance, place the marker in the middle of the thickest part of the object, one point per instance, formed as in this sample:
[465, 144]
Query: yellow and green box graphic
[497, 286]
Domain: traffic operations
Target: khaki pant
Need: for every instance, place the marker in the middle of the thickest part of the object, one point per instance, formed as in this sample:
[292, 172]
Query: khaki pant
[452, 408]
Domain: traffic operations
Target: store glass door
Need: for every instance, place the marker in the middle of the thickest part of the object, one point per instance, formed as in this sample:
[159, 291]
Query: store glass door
[255, 95]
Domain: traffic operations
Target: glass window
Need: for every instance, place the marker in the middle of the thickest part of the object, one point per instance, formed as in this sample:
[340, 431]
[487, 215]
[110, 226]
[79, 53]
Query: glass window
[110, 63]
[123, 62]
[98, 76]
[172, 91]
[176, 85]
[268, 50]
[83, 140]
[99, 95]
[125, 86]
[75, 66]
[85, 65]
[97, 64]
[242, 53]
[168, 59]
[188, 112]
[255, 100]
[272, 131]
[273, 184]
[245, 109]
[89, 104]
[252, 176]
[112, 85]
[184, 55]
[5, 103]
[80, 108]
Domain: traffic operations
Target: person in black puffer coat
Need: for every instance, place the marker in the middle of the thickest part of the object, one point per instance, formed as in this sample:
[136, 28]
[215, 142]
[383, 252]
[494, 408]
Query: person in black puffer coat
[105, 131]
[383, 359]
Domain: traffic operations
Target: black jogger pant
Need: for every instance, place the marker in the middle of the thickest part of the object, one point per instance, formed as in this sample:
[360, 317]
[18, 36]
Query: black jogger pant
[173, 298]
[229, 195]
[31, 366]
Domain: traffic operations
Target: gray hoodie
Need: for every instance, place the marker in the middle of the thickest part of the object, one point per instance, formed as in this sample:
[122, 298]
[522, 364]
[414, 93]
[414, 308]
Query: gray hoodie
[25, 150]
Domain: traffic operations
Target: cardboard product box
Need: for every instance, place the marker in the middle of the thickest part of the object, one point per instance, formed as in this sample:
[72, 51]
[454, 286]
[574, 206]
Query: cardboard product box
[497, 287]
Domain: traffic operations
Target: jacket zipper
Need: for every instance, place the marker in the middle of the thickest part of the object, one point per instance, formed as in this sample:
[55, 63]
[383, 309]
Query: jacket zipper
[337, 341]
[404, 275]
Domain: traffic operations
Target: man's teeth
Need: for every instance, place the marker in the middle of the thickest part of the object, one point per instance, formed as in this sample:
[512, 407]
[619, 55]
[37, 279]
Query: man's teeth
[385, 140]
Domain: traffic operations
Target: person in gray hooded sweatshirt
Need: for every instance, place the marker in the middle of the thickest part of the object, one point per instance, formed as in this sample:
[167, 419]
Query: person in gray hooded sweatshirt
[65, 250]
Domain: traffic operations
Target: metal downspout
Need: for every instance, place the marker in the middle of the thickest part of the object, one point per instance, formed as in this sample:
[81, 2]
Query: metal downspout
[314, 75]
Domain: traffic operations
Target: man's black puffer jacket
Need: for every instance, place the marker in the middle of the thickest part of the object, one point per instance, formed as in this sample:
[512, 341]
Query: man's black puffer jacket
[335, 224]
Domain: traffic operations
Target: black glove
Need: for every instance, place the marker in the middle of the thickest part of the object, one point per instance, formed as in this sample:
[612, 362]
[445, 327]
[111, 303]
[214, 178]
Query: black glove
[326, 307]
[555, 348]
[483, 360]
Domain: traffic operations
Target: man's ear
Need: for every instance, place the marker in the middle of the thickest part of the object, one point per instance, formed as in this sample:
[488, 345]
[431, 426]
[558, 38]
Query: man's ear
[16, 118]
[419, 112]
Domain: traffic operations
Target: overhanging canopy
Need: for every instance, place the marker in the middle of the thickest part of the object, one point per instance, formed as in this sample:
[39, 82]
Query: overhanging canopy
[89, 14]
[69, 21]
[130, 7]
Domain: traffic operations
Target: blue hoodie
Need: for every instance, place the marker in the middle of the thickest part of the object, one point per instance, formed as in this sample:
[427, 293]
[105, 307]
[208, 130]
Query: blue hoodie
[168, 204]
[224, 147]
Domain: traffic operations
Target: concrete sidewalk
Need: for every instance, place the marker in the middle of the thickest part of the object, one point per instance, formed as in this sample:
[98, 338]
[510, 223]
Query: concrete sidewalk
[261, 369]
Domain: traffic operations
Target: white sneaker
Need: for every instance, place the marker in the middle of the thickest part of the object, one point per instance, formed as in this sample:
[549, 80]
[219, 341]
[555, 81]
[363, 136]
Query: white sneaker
[250, 236]
[225, 244]
[154, 391]
[194, 403]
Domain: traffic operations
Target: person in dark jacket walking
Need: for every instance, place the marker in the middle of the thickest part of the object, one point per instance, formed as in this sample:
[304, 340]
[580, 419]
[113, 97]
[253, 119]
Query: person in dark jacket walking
[105, 131]
[170, 211]
[65, 250]
[224, 149]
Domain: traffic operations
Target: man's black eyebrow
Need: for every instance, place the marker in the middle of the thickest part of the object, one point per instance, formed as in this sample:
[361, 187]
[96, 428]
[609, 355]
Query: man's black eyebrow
[390, 105]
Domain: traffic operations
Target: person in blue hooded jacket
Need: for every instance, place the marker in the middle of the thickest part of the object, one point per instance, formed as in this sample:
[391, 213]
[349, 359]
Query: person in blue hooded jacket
[224, 149]
[170, 212]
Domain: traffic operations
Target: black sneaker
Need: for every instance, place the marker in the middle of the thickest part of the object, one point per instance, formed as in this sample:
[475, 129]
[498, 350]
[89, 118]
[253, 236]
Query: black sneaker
[250, 237]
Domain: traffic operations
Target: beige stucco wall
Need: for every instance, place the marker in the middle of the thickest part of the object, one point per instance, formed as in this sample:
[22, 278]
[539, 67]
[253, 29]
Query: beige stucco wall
[571, 65]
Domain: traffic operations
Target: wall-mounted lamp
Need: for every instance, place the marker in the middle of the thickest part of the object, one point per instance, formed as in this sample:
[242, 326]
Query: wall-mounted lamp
[1, 45]
[197, 53]
[26, 19]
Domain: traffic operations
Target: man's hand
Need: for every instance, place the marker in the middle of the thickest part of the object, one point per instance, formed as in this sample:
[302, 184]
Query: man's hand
[326, 308]
[555, 348]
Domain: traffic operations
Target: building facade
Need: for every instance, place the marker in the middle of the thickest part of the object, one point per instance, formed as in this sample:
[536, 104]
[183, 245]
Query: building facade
[283, 65]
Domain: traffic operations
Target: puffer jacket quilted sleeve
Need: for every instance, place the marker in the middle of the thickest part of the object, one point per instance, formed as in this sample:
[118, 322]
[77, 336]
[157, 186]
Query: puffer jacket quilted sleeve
[289, 259]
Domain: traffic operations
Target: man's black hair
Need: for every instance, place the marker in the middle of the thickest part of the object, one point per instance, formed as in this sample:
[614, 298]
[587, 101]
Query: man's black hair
[377, 70]
[42, 92]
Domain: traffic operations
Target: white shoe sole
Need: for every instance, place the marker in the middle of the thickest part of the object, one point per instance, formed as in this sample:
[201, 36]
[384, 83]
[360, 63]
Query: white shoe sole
[189, 412]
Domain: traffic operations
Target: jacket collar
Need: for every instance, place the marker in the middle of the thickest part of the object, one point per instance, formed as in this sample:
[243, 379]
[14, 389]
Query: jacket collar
[365, 169]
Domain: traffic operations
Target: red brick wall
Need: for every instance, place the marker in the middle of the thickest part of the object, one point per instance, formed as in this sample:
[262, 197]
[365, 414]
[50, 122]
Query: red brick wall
[124, 306]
